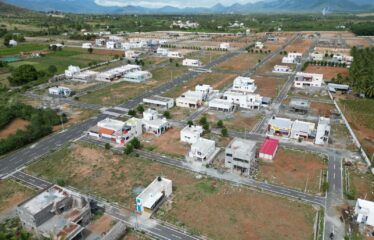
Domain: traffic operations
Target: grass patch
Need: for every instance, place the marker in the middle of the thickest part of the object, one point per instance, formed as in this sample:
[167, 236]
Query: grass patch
[12, 193]
[23, 47]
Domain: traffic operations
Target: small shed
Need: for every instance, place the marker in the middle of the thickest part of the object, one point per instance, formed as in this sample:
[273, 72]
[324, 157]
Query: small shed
[268, 149]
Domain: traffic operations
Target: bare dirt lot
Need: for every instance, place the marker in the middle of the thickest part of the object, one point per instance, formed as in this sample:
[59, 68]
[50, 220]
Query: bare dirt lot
[268, 67]
[358, 42]
[295, 169]
[361, 184]
[328, 72]
[168, 143]
[11, 194]
[13, 126]
[242, 62]
[322, 109]
[198, 204]
[300, 46]
[216, 80]
[269, 86]
[179, 113]
[237, 121]
[101, 225]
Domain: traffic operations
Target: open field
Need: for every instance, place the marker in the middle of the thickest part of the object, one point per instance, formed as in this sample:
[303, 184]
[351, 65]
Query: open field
[341, 138]
[62, 59]
[360, 114]
[179, 113]
[268, 67]
[238, 121]
[242, 62]
[168, 73]
[168, 143]
[328, 72]
[13, 127]
[11, 194]
[361, 185]
[194, 203]
[22, 47]
[216, 80]
[117, 93]
[358, 42]
[75, 115]
[101, 225]
[322, 109]
[221, 211]
[205, 56]
[300, 46]
[269, 86]
[295, 169]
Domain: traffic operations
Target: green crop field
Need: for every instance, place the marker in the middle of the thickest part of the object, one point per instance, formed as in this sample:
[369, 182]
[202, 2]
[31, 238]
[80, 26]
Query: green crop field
[23, 47]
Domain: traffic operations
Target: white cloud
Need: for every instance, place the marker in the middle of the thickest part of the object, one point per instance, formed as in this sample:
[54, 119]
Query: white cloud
[174, 3]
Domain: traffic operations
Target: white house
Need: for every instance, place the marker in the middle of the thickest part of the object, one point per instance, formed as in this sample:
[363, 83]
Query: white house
[279, 126]
[190, 99]
[205, 89]
[117, 73]
[202, 150]
[131, 54]
[162, 51]
[364, 212]
[244, 84]
[282, 69]
[100, 42]
[191, 134]
[224, 45]
[59, 91]
[117, 131]
[87, 45]
[244, 100]
[159, 102]
[315, 56]
[112, 44]
[191, 62]
[301, 129]
[13, 43]
[153, 123]
[151, 197]
[239, 155]
[85, 76]
[223, 105]
[292, 58]
[323, 131]
[259, 45]
[303, 80]
[71, 71]
[174, 54]
[137, 76]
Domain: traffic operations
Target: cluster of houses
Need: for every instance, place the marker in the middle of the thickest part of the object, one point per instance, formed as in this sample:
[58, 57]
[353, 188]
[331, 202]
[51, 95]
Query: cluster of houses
[292, 58]
[164, 52]
[300, 130]
[241, 95]
[119, 132]
[118, 42]
[185, 25]
[195, 99]
[334, 56]
[60, 91]
[129, 72]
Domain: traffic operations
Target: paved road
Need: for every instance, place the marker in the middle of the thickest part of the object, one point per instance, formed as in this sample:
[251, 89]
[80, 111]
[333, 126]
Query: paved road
[18, 159]
[152, 227]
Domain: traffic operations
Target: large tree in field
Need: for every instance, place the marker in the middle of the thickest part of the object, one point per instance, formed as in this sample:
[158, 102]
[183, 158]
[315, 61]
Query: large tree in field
[23, 74]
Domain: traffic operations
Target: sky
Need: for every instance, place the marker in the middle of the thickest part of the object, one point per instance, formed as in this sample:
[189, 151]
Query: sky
[174, 3]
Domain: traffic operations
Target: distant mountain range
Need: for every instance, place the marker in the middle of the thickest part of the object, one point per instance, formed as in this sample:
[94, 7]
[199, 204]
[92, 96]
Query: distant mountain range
[89, 6]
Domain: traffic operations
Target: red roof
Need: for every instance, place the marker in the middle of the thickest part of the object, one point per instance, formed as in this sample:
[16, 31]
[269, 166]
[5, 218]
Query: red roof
[269, 146]
[106, 131]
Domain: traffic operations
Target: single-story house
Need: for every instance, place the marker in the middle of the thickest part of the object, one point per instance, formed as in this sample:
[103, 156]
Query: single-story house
[202, 150]
[268, 149]
[190, 134]
[159, 102]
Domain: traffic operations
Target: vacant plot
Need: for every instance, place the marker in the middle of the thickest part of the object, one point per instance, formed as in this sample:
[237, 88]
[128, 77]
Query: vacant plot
[294, 169]
[221, 211]
[164, 74]
[180, 114]
[205, 56]
[361, 185]
[11, 194]
[269, 86]
[238, 121]
[117, 93]
[242, 62]
[360, 114]
[216, 80]
[341, 138]
[322, 109]
[132, 235]
[168, 143]
[328, 72]
[13, 127]
[300, 46]
[268, 67]
[358, 42]
[120, 178]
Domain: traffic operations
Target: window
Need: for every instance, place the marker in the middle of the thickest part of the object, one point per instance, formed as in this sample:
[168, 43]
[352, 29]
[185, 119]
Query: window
[229, 154]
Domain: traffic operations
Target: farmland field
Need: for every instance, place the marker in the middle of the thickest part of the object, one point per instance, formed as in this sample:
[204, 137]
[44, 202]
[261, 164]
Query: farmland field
[22, 47]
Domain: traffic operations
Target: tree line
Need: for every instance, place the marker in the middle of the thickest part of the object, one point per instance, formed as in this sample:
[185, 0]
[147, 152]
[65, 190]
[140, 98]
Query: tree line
[41, 122]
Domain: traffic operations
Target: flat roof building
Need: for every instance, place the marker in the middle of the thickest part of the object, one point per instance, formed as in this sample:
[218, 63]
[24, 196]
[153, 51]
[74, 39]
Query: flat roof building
[279, 126]
[299, 105]
[60, 91]
[137, 76]
[244, 84]
[301, 129]
[282, 69]
[154, 195]
[239, 155]
[191, 134]
[305, 80]
[268, 149]
[191, 63]
[223, 105]
[364, 212]
[323, 131]
[159, 102]
[202, 150]
[153, 123]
